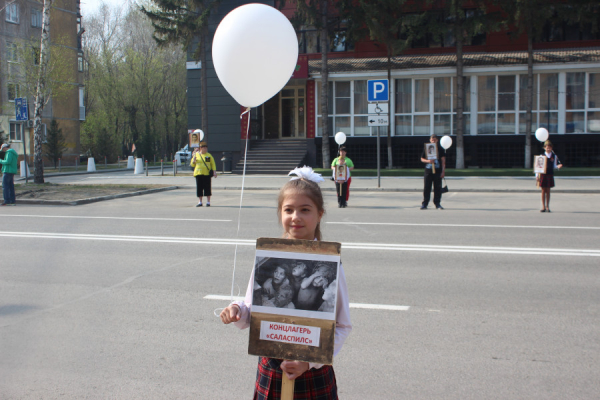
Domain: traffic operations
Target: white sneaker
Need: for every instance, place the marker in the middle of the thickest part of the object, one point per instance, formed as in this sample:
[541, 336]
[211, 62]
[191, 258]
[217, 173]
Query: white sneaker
[199, 205]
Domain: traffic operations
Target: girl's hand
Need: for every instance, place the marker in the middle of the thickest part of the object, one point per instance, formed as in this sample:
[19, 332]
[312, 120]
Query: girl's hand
[293, 369]
[559, 166]
[231, 314]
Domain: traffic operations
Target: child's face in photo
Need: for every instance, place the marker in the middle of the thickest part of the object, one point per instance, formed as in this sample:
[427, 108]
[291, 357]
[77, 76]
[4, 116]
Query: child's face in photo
[329, 293]
[299, 216]
[299, 270]
[278, 275]
[320, 281]
[284, 296]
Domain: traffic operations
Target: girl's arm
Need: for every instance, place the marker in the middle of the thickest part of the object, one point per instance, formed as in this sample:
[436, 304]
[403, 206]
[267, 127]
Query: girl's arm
[238, 312]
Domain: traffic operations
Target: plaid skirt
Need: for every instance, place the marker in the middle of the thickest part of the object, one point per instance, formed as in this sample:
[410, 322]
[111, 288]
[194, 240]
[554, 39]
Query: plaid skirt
[314, 384]
[546, 181]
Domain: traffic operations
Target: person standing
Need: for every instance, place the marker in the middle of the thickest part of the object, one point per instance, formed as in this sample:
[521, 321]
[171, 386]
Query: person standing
[434, 178]
[204, 170]
[9, 169]
[546, 181]
[344, 192]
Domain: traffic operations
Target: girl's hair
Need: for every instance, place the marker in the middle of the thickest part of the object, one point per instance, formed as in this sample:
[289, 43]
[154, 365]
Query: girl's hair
[325, 270]
[306, 188]
[548, 143]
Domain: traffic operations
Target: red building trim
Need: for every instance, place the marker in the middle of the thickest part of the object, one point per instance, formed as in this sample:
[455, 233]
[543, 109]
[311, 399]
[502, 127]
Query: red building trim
[244, 123]
[310, 109]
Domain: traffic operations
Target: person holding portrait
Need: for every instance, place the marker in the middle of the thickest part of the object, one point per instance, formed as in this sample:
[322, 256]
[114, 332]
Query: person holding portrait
[433, 178]
[204, 170]
[342, 186]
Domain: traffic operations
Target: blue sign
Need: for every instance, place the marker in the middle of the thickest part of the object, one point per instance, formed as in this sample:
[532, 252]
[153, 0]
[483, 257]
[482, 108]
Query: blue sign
[21, 109]
[377, 90]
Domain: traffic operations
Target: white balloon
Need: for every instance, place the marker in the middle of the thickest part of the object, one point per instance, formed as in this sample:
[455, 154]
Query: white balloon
[340, 138]
[446, 142]
[255, 52]
[541, 134]
[200, 133]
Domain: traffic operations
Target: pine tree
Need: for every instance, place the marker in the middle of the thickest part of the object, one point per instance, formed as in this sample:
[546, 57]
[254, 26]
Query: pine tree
[55, 143]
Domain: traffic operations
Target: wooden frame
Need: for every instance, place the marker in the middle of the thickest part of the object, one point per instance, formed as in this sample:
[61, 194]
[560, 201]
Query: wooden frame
[289, 333]
[540, 164]
[341, 173]
[194, 139]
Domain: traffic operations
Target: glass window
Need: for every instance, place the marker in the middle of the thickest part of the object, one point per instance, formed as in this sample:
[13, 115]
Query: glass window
[575, 90]
[11, 52]
[467, 97]
[342, 124]
[441, 124]
[575, 122]
[466, 124]
[486, 124]
[16, 131]
[403, 125]
[329, 127]
[506, 93]
[594, 122]
[442, 94]
[487, 93]
[523, 120]
[342, 97]
[360, 97]
[421, 95]
[549, 121]
[523, 92]
[403, 96]
[422, 125]
[548, 92]
[361, 126]
[36, 18]
[13, 91]
[12, 13]
[594, 91]
[506, 123]
[80, 63]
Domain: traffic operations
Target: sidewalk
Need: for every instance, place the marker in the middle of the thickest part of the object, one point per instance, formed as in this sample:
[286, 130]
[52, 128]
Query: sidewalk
[564, 184]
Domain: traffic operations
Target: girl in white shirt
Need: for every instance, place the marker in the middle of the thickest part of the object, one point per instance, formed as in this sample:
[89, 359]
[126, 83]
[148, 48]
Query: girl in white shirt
[546, 181]
[300, 209]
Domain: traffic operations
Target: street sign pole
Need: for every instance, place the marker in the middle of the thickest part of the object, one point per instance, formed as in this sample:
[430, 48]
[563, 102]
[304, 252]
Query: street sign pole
[25, 153]
[378, 160]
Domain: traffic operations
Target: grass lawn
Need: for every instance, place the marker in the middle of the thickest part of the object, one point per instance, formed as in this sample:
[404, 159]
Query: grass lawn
[450, 172]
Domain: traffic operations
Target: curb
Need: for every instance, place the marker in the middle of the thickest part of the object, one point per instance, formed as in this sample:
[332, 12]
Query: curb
[421, 190]
[95, 199]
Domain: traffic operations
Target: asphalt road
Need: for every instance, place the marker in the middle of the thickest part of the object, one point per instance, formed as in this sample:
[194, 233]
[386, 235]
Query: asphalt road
[107, 300]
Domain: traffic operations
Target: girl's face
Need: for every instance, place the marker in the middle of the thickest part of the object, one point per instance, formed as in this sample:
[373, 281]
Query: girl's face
[299, 216]
[278, 275]
[299, 270]
[548, 148]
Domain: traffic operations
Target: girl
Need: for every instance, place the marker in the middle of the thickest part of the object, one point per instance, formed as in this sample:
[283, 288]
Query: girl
[310, 295]
[343, 187]
[280, 278]
[300, 209]
[546, 181]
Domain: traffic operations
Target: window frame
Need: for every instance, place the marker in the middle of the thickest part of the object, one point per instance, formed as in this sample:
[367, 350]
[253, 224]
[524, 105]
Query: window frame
[12, 13]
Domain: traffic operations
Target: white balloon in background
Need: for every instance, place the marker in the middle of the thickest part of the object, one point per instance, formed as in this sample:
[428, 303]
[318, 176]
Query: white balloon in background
[255, 52]
[446, 142]
[200, 134]
[541, 134]
[340, 138]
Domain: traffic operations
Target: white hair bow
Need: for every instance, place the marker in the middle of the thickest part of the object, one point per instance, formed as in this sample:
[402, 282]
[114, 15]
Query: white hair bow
[306, 173]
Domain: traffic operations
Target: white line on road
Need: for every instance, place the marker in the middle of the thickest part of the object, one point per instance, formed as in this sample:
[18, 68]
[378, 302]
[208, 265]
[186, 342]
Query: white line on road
[346, 246]
[465, 225]
[117, 218]
[352, 305]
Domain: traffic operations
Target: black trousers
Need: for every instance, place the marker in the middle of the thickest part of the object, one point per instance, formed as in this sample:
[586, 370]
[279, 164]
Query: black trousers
[435, 179]
[203, 187]
[341, 194]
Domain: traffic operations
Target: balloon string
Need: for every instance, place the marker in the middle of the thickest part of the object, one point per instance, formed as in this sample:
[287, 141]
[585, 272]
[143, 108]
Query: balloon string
[241, 200]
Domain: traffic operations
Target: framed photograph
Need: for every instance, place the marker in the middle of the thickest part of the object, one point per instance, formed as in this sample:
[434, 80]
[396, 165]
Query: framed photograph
[539, 164]
[341, 173]
[431, 151]
[294, 299]
[194, 139]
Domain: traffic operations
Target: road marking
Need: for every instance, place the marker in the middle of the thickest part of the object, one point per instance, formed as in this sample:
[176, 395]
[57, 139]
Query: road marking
[352, 305]
[465, 225]
[345, 246]
[117, 218]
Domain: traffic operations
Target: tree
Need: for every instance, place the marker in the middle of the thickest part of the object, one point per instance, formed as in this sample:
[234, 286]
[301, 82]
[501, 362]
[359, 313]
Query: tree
[183, 22]
[318, 14]
[55, 143]
[464, 19]
[529, 17]
[386, 23]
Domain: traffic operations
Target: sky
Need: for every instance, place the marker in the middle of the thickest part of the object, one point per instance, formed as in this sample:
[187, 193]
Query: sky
[89, 7]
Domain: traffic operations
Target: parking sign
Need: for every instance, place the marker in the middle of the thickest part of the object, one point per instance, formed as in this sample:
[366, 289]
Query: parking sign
[377, 90]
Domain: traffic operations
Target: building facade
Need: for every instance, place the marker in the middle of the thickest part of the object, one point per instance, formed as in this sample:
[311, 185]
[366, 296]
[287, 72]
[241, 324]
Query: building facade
[423, 98]
[20, 33]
